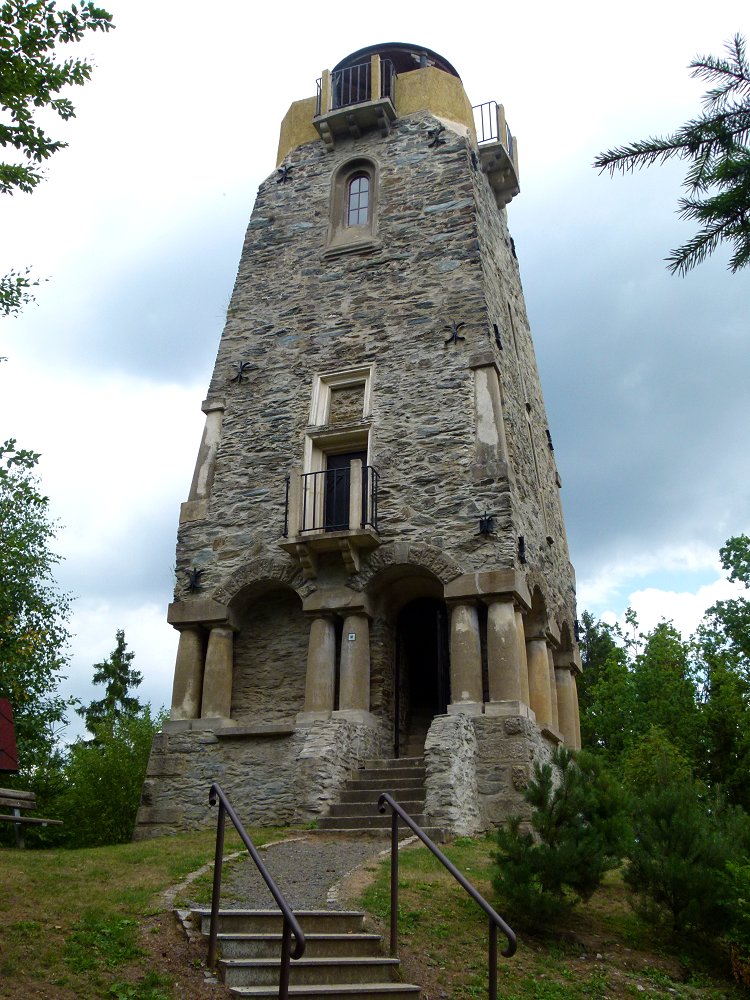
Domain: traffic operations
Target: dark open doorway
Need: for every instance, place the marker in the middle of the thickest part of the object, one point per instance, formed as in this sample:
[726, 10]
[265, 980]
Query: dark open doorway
[422, 672]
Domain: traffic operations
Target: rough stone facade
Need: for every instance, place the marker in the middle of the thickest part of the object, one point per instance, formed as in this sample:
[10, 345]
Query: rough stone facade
[390, 361]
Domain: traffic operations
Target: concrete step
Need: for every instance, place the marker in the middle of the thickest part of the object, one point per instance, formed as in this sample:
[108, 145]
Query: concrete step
[316, 945]
[367, 796]
[270, 921]
[411, 806]
[308, 971]
[351, 991]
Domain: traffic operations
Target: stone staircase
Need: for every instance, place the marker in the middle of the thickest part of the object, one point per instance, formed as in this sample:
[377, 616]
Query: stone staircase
[340, 959]
[357, 809]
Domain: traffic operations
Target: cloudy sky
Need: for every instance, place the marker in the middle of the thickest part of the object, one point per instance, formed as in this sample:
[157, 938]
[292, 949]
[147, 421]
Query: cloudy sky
[139, 226]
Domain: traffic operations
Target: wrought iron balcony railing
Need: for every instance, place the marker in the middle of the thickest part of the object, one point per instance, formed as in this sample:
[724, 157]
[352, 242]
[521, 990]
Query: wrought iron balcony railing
[353, 85]
[332, 500]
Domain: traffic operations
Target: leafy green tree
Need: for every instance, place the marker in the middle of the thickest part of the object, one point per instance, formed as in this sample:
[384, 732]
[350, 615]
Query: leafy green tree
[119, 677]
[579, 833]
[684, 839]
[31, 80]
[104, 778]
[605, 689]
[33, 616]
[715, 144]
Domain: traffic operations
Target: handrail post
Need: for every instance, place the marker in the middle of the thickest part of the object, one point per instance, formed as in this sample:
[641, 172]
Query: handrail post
[218, 856]
[394, 884]
[286, 950]
[492, 949]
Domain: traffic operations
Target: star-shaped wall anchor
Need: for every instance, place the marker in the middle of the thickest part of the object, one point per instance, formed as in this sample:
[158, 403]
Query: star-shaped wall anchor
[436, 137]
[455, 336]
[241, 372]
[194, 579]
[284, 173]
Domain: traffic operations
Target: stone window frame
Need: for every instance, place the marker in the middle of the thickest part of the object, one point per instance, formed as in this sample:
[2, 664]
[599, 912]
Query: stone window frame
[322, 440]
[342, 237]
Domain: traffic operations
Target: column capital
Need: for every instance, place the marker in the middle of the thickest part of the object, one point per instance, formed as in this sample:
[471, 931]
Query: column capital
[500, 583]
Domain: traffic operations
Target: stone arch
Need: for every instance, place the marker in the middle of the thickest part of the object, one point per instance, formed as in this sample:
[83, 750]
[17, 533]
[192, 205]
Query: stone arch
[413, 556]
[536, 622]
[262, 574]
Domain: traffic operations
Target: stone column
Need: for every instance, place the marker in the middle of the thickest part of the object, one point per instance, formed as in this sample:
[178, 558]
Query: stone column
[539, 686]
[504, 660]
[321, 668]
[552, 690]
[566, 715]
[354, 689]
[466, 661]
[574, 686]
[521, 639]
[217, 677]
[188, 675]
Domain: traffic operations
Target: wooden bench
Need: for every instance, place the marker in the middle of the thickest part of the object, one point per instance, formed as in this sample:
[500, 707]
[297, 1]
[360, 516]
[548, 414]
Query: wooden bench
[17, 800]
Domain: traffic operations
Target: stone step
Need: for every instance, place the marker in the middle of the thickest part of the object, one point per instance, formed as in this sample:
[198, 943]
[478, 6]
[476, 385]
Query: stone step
[350, 991]
[395, 763]
[387, 774]
[410, 793]
[270, 921]
[378, 785]
[435, 833]
[316, 945]
[370, 808]
[308, 971]
[361, 822]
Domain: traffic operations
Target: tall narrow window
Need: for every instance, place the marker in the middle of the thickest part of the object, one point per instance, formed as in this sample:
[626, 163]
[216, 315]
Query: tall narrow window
[358, 200]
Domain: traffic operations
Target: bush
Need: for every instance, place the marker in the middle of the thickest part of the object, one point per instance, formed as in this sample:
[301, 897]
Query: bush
[684, 839]
[580, 831]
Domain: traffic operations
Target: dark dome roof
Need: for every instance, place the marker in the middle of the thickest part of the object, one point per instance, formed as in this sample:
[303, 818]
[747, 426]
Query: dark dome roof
[404, 57]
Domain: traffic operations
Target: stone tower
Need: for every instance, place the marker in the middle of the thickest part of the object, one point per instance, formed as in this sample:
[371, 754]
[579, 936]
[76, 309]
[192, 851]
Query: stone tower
[372, 558]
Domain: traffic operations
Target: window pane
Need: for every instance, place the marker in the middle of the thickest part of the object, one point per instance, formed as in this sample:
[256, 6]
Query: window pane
[358, 201]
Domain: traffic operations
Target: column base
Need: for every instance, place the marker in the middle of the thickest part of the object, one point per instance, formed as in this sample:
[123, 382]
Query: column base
[214, 722]
[308, 718]
[177, 725]
[465, 708]
[552, 734]
[505, 708]
[360, 715]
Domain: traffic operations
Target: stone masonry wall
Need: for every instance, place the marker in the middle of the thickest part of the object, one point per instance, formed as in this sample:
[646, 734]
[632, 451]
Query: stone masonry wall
[270, 661]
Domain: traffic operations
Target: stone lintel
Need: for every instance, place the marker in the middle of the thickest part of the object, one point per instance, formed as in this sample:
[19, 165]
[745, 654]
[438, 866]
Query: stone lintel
[198, 611]
[337, 600]
[193, 510]
[357, 715]
[502, 709]
[490, 583]
[483, 359]
[465, 708]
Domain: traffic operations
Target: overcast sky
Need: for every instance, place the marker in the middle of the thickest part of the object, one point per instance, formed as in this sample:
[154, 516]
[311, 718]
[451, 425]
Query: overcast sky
[139, 227]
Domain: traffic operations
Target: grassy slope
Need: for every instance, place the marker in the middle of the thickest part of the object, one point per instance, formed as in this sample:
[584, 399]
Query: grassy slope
[79, 925]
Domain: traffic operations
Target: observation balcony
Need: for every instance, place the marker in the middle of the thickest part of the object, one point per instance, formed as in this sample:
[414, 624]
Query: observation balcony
[335, 510]
[498, 151]
[355, 99]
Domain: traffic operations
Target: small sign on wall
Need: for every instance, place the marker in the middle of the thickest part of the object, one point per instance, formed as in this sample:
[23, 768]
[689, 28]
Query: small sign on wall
[352, 636]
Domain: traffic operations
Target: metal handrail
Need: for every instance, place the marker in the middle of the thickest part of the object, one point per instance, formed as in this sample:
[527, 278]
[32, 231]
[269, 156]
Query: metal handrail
[290, 924]
[495, 920]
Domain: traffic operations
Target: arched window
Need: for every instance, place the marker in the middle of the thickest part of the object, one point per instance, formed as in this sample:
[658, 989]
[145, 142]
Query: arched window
[352, 226]
[358, 200]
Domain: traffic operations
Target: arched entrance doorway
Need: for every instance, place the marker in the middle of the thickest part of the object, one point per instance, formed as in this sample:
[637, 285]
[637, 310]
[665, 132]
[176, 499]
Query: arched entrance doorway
[422, 672]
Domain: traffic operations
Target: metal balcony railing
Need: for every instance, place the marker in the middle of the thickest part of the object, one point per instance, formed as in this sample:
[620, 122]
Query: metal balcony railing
[487, 123]
[353, 85]
[334, 500]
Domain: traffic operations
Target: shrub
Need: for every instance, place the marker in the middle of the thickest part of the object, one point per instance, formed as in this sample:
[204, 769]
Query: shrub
[579, 832]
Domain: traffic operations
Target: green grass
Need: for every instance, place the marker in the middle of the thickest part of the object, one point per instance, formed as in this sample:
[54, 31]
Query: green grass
[73, 923]
[604, 952]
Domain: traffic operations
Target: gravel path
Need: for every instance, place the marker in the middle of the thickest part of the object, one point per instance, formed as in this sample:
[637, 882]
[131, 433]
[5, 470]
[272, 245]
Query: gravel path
[305, 870]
